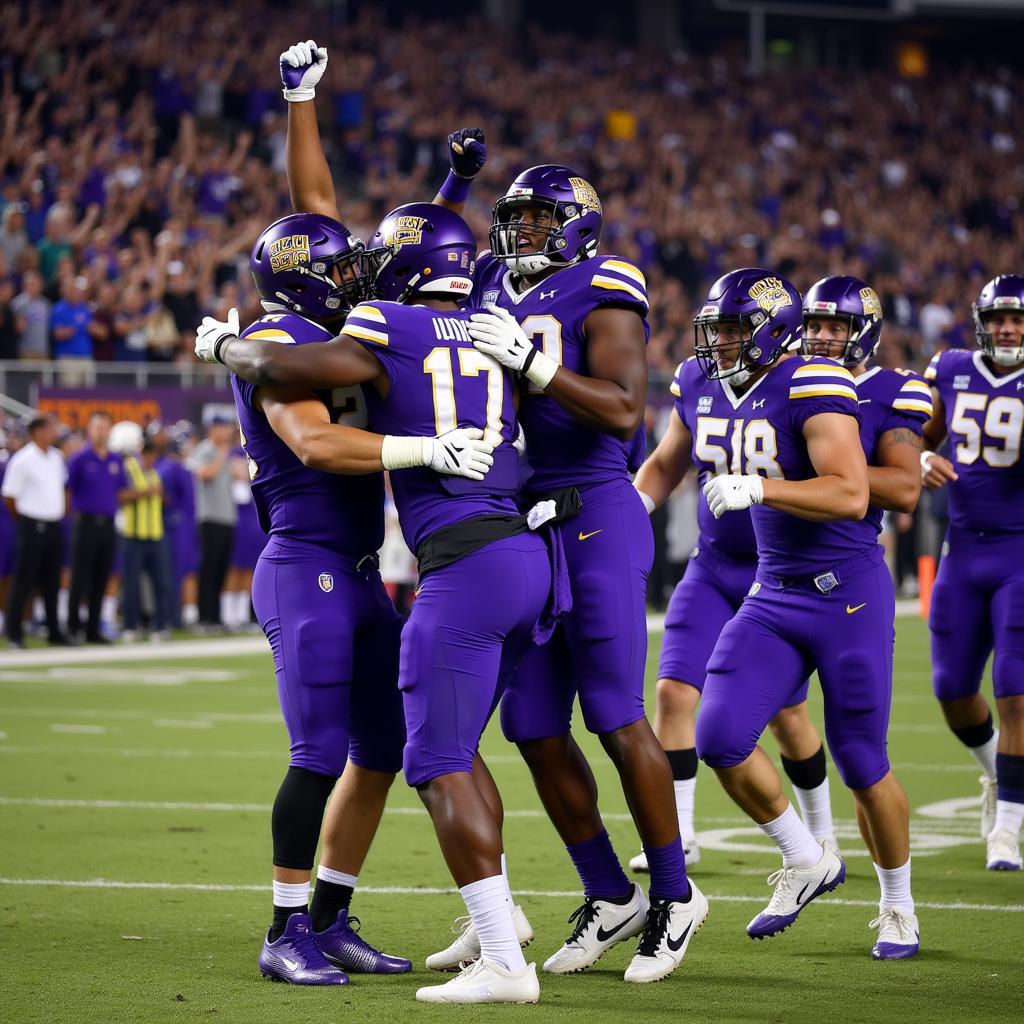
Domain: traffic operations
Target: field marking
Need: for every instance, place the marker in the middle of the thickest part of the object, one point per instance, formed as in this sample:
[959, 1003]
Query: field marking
[398, 890]
[270, 717]
[78, 675]
[182, 723]
[79, 727]
[170, 650]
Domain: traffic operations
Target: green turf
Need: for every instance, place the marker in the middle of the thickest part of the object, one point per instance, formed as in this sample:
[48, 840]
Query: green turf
[90, 954]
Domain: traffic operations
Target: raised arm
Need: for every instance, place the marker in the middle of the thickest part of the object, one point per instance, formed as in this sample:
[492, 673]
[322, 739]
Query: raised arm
[666, 466]
[467, 154]
[309, 176]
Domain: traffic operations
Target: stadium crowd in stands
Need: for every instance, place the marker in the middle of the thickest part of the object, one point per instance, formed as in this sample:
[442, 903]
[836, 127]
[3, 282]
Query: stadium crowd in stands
[140, 158]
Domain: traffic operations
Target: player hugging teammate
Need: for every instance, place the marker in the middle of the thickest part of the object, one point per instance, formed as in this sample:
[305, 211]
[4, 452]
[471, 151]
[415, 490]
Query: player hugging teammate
[533, 586]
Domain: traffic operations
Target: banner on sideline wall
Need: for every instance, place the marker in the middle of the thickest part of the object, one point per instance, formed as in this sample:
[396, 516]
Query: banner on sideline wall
[72, 406]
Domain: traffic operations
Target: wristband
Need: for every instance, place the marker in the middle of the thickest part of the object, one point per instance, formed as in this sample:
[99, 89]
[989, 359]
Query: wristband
[456, 189]
[299, 94]
[539, 369]
[648, 501]
[219, 344]
[756, 488]
[403, 452]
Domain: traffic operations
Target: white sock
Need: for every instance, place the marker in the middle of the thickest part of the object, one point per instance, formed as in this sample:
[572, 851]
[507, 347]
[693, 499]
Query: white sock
[326, 874]
[795, 842]
[189, 614]
[685, 792]
[985, 755]
[491, 914]
[227, 606]
[895, 885]
[108, 610]
[1009, 815]
[38, 611]
[62, 605]
[508, 886]
[291, 894]
[241, 614]
[816, 810]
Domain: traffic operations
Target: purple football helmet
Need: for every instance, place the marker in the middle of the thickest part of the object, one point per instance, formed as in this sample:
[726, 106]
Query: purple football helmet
[1004, 293]
[421, 249]
[574, 229]
[292, 264]
[767, 309]
[849, 299]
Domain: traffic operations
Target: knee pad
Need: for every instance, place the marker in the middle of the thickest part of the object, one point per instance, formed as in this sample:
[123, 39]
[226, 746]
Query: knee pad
[720, 742]
[297, 816]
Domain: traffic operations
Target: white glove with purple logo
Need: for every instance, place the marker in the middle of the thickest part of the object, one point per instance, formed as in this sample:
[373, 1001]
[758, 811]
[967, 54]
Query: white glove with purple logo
[302, 66]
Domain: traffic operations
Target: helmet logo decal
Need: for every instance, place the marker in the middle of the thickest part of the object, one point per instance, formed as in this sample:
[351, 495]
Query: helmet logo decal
[872, 307]
[406, 231]
[585, 194]
[289, 252]
[770, 294]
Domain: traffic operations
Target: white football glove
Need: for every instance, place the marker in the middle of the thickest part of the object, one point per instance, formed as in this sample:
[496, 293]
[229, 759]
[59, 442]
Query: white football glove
[459, 452]
[212, 332]
[497, 334]
[733, 492]
[302, 66]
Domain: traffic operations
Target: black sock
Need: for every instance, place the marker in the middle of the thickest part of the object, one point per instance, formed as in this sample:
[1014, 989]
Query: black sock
[809, 773]
[683, 763]
[976, 735]
[329, 898]
[281, 915]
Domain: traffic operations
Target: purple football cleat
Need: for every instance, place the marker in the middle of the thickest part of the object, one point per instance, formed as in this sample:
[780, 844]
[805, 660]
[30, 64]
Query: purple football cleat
[341, 946]
[794, 889]
[296, 958]
[899, 935]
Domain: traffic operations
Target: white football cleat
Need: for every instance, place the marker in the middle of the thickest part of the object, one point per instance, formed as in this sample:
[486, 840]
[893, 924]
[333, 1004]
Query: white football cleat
[670, 926]
[794, 889]
[485, 982]
[988, 805]
[899, 935]
[599, 925]
[467, 945]
[1003, 851]
[691, 851]
[830, 843]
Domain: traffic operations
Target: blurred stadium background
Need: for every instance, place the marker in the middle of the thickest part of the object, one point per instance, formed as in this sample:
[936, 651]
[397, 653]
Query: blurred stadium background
[142, 149]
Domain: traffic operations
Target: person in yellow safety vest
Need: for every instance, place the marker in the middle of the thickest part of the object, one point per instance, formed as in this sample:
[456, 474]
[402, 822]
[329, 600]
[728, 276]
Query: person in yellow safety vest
[142, 533]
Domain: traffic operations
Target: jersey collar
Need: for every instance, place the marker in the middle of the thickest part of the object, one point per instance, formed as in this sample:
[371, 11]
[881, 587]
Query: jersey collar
[993, 379]
[737, 400]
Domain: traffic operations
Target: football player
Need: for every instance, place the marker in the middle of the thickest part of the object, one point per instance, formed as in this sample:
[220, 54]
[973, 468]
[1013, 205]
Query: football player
[464, 635]
[822, 597]
[978, 599]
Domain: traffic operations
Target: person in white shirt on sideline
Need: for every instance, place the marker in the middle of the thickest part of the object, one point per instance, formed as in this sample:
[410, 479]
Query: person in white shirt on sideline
[33, 490]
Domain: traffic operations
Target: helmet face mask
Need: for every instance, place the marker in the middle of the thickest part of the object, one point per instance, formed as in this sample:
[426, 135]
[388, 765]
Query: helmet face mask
[552, 209]
[848, 300]
[749, 319]
[1001, 303]
[310, 264]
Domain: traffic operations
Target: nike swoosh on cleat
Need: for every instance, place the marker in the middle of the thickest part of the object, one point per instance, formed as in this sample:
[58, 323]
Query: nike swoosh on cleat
[855, 608]
[800, 898]
[676, 944]
[603, 936]
[292, 965]
[584, 536]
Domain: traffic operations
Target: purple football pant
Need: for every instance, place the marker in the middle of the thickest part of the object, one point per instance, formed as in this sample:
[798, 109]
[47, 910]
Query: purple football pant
[335, 635]
[705, 599]
[470, 625]
[599, 649]
[978, 606]
[777, 638]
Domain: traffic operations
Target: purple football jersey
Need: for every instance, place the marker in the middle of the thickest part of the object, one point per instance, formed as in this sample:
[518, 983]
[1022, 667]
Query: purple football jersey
[561, 449]
[984, 420]
[889, 400]
[788, 395]
[717, 418]
[343, 513]
[439, 381]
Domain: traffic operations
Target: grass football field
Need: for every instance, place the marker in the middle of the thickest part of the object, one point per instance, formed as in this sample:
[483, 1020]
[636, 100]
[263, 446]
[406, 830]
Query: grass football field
[135, 851]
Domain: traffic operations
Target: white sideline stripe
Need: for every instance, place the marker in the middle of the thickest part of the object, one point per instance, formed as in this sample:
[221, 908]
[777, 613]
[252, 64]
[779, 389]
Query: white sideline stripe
[224, 647]
[93, 730]
[271, 716]
[398, 890]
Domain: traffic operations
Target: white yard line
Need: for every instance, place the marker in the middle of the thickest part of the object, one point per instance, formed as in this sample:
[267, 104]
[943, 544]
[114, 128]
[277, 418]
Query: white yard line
[396, 890]
[76, 728]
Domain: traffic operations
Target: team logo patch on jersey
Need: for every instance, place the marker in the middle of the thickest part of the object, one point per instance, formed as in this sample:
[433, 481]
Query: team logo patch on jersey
[585, 194]
[491, 297]
[289, 252]
[326, 581]
[961, 382]
[754, 588]
[872, 305]
[704, 404]
[406, 231]
[770, 294]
